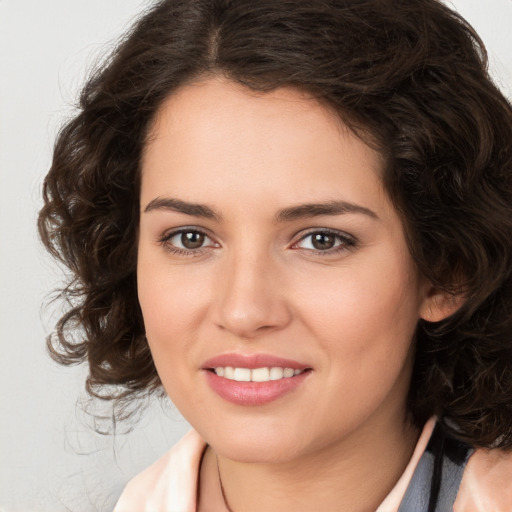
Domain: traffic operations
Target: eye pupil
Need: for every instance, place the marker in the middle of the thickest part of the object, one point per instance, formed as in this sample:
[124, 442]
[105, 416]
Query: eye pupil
[192, 239]
[323, 241]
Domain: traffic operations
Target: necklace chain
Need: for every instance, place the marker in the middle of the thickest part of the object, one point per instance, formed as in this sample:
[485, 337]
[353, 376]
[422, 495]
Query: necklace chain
[222, 487]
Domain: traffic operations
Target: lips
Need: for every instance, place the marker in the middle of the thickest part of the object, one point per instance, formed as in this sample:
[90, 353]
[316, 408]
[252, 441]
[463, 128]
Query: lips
[254, 379]
[252, 361]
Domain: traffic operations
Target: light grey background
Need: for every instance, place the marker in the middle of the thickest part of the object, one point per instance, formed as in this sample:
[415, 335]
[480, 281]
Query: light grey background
[50, 460]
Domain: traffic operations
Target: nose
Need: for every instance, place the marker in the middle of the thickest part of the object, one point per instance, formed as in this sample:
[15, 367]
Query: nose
[251, 299]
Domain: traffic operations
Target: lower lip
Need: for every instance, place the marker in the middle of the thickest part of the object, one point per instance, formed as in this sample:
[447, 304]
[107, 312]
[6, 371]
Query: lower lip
[253, 393]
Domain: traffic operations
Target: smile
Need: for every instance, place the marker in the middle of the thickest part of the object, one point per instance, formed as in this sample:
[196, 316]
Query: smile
[254, 379]
[265, 374]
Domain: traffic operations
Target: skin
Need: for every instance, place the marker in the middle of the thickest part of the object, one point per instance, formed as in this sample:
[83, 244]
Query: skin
[341, 439]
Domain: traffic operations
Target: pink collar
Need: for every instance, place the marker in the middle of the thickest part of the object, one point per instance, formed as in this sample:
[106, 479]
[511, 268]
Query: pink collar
[170, 484]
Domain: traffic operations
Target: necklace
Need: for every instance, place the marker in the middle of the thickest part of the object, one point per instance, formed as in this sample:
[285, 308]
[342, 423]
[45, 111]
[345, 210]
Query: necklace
[222, 487]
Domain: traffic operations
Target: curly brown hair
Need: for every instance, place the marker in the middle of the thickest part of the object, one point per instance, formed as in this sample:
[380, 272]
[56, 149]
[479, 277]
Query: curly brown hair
[408, 76]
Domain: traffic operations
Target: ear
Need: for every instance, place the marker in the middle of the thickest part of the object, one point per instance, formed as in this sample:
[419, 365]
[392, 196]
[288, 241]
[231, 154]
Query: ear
[438, 304]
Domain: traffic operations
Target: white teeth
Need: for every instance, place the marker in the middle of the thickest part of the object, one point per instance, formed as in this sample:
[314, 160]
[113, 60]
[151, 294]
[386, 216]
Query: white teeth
[260, 375]
[276, 373]
[257, 374]
[242, 375]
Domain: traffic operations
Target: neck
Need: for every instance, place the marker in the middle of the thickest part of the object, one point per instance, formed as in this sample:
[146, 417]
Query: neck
[354, 475]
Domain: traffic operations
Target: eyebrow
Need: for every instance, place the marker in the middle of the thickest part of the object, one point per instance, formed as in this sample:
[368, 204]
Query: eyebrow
[302, 211]
[176, 205]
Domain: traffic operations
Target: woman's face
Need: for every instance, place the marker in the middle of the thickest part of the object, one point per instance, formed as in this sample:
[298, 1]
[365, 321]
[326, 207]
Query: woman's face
[268, 241]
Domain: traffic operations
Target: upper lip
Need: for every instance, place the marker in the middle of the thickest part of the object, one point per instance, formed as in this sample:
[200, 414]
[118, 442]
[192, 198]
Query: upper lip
[252, 361]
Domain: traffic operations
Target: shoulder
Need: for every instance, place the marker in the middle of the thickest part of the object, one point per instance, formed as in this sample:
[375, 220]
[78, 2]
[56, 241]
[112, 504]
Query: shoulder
[487, 482]
[170, 484]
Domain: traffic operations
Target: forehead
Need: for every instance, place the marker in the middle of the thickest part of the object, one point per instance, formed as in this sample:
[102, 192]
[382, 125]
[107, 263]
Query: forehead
[210, 109]
[283, 144]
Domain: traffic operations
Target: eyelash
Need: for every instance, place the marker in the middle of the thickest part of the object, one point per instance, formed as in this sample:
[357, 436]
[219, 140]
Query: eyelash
[168, 246]
[345, 242]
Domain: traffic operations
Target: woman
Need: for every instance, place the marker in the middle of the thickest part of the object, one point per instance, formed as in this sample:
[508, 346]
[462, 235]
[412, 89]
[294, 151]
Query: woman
[295, 217]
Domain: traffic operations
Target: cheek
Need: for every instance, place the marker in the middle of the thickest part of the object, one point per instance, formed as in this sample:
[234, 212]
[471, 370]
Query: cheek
[365, 314]
[364, 326]
[172, 303]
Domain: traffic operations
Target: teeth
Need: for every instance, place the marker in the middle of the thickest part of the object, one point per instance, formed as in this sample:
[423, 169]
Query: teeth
[242, 375]
[260, 375]
[276, 373]
[257, 374]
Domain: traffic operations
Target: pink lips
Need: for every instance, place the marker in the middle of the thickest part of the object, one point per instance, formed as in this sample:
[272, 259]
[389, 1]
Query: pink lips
[251, 361]
[252, 393]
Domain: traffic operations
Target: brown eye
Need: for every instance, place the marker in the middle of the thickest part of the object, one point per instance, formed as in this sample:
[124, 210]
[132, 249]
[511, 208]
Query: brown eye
[187, 240]
[326, 241]
[323, 241]
[192, 239]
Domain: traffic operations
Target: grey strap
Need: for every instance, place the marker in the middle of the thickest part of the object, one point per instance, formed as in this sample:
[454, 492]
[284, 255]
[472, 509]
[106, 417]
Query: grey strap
[436, 480]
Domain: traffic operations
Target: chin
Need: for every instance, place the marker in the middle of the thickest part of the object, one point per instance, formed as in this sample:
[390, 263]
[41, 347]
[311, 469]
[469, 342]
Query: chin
[260, 444]
[257, 450]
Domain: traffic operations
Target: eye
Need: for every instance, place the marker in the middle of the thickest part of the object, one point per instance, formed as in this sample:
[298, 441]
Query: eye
[187, 240]
[325, 241]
